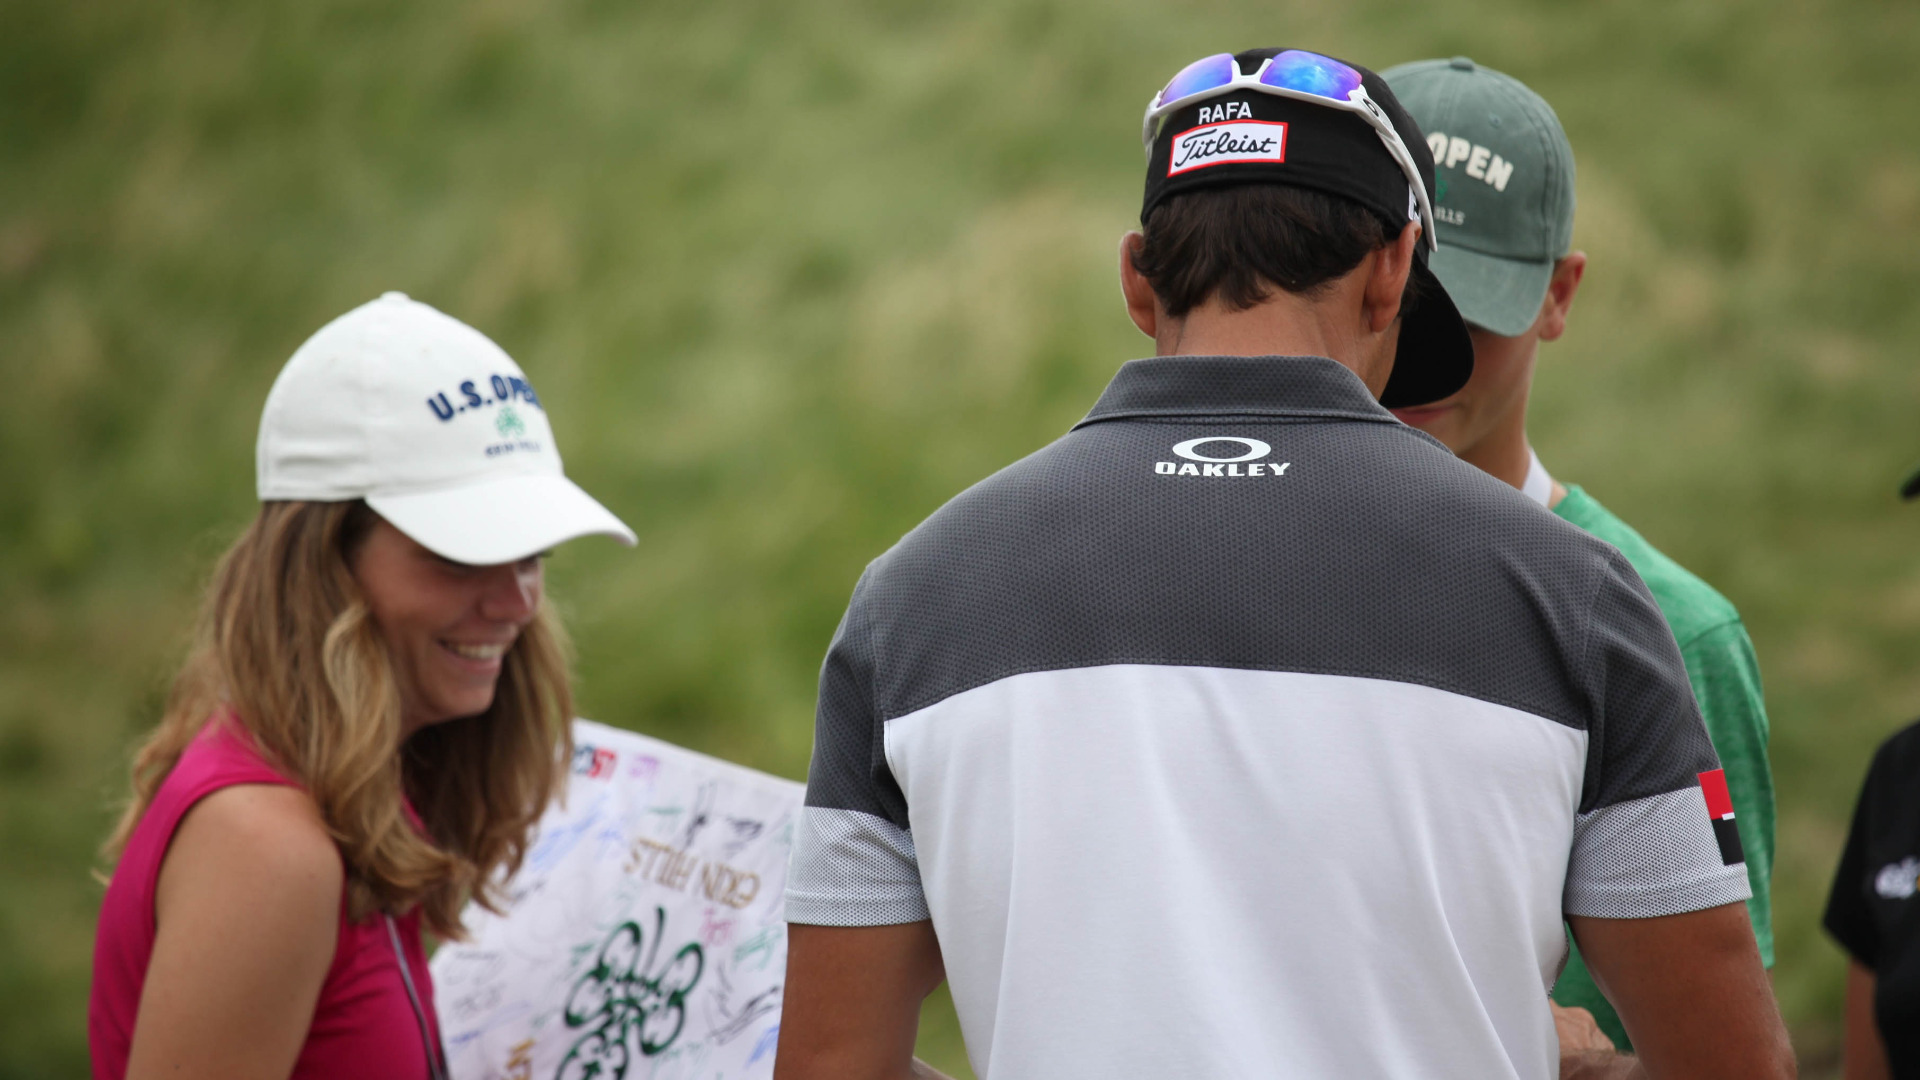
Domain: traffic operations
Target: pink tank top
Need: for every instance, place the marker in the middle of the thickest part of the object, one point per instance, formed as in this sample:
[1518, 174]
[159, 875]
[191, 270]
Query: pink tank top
[364, 1024]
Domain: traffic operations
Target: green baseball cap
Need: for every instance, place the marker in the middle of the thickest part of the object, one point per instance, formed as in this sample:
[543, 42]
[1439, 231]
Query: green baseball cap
[1504, 174]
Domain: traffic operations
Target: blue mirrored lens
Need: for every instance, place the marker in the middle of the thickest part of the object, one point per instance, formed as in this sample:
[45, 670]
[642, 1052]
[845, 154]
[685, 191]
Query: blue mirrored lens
[1310, 73]
[1207, 73]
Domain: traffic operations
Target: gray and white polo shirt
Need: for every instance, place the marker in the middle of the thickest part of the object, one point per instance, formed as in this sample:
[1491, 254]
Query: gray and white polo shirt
[1246, 732]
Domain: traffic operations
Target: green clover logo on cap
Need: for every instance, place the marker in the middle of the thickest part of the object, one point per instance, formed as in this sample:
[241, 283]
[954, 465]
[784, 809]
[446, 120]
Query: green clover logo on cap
[509, 424]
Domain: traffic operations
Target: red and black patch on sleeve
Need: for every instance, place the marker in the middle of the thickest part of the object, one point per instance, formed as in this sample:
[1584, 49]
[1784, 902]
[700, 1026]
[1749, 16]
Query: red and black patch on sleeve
[1720, 809]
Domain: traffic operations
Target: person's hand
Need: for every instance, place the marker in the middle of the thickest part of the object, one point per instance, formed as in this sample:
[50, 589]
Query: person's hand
[1579, 1032]
[1585, 1051]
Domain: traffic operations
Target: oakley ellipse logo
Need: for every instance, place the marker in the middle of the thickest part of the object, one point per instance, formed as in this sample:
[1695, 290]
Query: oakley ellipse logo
[1191, 448]
[1211, 456]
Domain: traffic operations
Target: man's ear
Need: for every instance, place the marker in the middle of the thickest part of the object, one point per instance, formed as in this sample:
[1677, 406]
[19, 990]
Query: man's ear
[1559, 299]
[1388, 280]
[1143, 307]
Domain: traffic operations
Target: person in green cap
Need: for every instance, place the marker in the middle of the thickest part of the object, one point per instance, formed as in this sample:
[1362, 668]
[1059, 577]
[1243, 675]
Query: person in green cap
[1504, 215]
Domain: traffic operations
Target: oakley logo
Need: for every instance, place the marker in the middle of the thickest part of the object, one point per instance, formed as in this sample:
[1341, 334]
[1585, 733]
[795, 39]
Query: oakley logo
[1227, 143]
[1213, 456]
[1191, 448]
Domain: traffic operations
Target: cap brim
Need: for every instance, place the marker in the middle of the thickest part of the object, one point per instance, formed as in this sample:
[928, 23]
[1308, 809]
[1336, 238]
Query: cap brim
[1500, 294]
[1911, 488]
[1435, 355]
[500, 521]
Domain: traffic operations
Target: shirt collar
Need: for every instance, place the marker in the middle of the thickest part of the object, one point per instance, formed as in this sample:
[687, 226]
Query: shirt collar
[1538, 485]
[1287, 386]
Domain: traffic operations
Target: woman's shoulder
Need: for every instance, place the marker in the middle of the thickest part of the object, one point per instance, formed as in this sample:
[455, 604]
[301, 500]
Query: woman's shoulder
[261, 829]
[254, 863]
[251, 813]
[220, 757]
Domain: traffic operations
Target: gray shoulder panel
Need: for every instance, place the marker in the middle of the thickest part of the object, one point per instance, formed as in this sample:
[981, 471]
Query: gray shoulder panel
[1372, 554]
[849, 768]
[1325, 538]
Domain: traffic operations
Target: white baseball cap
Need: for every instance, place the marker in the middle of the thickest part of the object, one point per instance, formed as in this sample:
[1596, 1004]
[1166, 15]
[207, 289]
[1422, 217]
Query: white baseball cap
[434, 426]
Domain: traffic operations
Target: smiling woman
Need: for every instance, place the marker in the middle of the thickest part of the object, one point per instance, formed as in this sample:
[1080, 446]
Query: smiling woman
[447, 626]
[373, 716]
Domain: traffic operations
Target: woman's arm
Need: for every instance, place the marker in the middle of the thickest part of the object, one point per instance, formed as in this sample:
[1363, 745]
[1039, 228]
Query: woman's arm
[1865, 1056]
[248, 910]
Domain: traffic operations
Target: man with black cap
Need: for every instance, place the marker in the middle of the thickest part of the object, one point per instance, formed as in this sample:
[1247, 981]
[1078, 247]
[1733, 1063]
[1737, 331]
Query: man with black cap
[1244, 731]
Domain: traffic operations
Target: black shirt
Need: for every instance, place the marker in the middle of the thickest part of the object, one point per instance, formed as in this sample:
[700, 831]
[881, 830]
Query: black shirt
[1874, 911]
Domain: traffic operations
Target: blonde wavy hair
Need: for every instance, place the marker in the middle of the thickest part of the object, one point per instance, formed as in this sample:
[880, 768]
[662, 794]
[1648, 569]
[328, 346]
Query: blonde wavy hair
[285, 643]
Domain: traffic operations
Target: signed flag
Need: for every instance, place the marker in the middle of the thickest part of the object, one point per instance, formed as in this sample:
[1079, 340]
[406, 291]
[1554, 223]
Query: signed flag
[646, 933]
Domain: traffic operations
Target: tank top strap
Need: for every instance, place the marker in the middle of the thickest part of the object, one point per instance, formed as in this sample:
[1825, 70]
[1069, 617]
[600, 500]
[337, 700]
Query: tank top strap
[222, 755]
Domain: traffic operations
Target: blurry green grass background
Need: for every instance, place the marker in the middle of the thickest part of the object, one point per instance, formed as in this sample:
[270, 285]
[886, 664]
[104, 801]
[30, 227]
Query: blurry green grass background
[790, 275]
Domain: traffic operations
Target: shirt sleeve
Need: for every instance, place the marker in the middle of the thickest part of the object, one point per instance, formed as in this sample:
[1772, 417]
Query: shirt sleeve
[1726, 680]
[853, 861]
[1849, 917]
[1646, 840]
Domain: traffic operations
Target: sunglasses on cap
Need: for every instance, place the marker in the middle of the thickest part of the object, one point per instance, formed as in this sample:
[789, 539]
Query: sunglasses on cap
[1297, 74]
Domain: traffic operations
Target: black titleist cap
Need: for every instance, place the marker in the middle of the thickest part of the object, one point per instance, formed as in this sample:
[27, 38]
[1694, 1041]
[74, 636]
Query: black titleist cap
[1252, 137]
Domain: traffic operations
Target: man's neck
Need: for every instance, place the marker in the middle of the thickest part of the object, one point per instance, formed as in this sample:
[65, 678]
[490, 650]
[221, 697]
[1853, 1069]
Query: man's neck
[1503, 454]
[1508, 457]
[1282, 325]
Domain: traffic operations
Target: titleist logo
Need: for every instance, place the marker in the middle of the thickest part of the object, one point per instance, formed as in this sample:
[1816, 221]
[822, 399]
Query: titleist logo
[1219, 144]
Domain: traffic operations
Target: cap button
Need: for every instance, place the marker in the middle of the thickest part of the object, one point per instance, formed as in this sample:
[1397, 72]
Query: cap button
[393, 294]
[1460, 63]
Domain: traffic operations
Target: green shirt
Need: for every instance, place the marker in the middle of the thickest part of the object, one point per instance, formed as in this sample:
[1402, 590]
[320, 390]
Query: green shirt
[1726, 681]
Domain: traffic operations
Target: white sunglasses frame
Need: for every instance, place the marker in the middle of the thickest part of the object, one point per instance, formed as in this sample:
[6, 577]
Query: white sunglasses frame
[1358, 102]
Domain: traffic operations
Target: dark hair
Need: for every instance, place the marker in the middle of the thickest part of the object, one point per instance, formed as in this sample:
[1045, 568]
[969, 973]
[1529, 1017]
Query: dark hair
[1243, 241]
